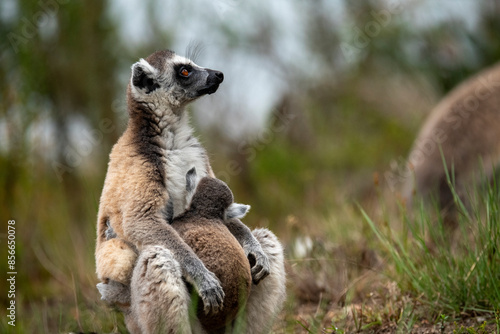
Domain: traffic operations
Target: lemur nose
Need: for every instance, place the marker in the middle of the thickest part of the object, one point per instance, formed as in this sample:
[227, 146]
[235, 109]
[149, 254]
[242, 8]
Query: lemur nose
[219, 75]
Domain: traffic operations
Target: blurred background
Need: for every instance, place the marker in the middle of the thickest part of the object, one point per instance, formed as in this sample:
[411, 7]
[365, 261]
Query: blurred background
[320, 99]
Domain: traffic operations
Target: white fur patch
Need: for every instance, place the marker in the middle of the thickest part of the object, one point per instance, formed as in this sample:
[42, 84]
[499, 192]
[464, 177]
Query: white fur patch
[179, 162]
[182, 60]
[147, 66]
[182, 152]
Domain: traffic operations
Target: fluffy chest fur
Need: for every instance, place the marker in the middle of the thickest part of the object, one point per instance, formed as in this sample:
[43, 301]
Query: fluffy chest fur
[182, 152]
[178, 163]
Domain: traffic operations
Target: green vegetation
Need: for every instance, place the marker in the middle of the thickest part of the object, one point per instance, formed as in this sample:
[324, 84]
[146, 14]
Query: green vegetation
[427, 278]
[453, 272]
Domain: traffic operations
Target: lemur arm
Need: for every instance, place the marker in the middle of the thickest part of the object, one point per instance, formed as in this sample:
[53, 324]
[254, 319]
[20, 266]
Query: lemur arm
[156, 231]
[259, 263]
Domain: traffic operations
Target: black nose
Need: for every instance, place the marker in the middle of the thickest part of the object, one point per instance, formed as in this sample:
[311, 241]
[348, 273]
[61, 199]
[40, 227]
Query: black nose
[219, 76]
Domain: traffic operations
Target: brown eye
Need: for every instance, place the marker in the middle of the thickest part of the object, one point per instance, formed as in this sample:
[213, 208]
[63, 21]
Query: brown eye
[184, 72]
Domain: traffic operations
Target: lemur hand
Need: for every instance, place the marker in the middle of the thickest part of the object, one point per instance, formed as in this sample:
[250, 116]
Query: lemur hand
[211, 293]
[259, 264]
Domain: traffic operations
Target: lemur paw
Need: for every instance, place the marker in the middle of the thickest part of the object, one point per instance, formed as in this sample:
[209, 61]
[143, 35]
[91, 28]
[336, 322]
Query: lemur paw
[259, 265]
[114, 292]
[211, 293]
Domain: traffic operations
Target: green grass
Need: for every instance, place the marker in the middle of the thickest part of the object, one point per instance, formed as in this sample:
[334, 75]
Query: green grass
[428, 276]
[452, 272]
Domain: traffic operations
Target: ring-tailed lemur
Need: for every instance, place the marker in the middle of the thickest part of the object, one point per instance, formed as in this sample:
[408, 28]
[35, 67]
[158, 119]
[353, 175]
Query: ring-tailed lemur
[147, 169]
[463, 131]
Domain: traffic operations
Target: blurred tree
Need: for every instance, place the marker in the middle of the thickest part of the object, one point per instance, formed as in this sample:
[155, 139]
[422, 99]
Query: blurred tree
[62, 53]
[58, 76]
[358, 110]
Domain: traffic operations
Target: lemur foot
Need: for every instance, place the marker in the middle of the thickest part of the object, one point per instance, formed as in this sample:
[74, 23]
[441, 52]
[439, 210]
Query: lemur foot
[114, 292]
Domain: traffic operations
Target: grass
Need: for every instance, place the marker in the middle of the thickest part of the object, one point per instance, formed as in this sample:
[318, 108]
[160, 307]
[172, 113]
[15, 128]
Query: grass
[426, 276]
[453, 272]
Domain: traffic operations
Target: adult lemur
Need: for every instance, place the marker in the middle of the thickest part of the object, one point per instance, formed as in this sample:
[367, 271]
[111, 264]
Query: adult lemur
[146, 172]
[463, 130]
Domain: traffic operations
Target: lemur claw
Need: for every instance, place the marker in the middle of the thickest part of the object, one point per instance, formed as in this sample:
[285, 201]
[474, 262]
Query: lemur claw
[212, 294]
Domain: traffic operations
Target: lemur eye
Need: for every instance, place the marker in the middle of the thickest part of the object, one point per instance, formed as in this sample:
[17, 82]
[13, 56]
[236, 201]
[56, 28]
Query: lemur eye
[184, 72]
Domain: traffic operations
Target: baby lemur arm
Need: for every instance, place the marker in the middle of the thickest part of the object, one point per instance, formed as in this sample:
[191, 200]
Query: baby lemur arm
[259, 263]
[156, 231]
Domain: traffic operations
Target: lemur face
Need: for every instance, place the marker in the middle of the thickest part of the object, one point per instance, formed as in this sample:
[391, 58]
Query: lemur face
[166, 77]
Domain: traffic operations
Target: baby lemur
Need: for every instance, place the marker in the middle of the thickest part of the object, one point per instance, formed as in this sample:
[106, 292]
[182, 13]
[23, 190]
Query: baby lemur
[146, 172]
[201, 226]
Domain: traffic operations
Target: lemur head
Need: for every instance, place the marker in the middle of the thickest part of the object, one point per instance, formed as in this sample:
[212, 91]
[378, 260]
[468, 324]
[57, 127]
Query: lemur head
[166, 78]
[212, 198]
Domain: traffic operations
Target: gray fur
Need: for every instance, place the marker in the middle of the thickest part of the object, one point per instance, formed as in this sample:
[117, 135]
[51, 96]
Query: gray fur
[110, 233]
[267, 298]
[114, 291]
[462, 130]
[159, 298]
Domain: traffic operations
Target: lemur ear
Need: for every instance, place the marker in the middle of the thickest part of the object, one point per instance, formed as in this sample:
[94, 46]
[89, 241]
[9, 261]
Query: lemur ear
[144, 76]
[237, 210]
[191, 178]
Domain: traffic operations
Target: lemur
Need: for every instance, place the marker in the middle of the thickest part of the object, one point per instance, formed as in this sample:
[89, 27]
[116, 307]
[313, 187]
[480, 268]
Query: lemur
[201, 227]
[146, 172]
[464, 126]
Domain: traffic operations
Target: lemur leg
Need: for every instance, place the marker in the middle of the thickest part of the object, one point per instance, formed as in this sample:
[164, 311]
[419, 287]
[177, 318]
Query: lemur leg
[266, 298]
[159, 297]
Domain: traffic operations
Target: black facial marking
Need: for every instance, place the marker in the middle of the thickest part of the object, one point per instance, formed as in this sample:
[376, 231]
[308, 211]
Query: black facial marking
[142, 80]
[185, 80]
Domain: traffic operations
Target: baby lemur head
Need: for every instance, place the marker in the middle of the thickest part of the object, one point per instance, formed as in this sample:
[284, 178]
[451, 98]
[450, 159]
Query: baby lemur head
[167, 79]
[212, 198]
